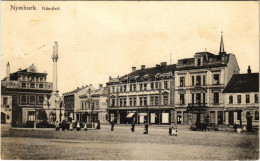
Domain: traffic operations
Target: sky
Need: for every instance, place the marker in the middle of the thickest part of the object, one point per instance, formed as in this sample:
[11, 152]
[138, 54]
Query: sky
[101, 39]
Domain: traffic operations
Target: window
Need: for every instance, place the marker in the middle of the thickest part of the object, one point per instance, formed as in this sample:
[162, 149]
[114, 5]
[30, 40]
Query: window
[40, 99]
[124, 103]
[112, 102]
[256, 98]
[130, 88]
[141, 101]
[32, 99]
[256, 115]
[134, 87]
[198, 98]
[24, 78]
[198, 80]
[32, 85]
[5, 101]
[134, 101]
[204, 80]
[165, 99]
[192, 98]
[145, 86]
[165, 84]
[182, 81]
[31, 116]
[230, 99]
[121, 88]
[192, 79]
[152, 101]
[199, 62]
[113, 89]
[182, 101]
[141, 87]
[145, 101]
[82, 105]
[24, 85]
[239, 115]
[216, 79]
[156, 98]
[151, 85]
[40, 85]
[121, 102]
[130, 101]
[124, 88]
[238, 99]
[156, 85]
[204, 98]
[23, 99]
[41, 79]
[216, 97]
[7, 117]
[247, 98]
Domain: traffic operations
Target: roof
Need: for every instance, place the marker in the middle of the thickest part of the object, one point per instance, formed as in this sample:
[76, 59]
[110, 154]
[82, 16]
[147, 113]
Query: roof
[96, 93]
[243, 83]
[148, 74]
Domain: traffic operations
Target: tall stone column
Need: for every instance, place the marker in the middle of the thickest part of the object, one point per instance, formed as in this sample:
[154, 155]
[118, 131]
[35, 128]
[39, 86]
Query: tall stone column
[55, 59]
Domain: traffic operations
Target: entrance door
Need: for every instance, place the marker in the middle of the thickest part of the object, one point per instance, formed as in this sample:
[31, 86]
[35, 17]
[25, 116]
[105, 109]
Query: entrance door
[220, 117]
[231, 118]
[179, 119]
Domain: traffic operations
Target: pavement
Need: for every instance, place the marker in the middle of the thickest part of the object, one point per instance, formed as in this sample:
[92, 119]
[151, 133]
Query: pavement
[122, 144]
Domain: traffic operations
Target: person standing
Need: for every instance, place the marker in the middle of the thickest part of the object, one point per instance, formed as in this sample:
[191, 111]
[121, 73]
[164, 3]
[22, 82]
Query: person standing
[57, 126]
[146, 128]
[78, 126]
[170, 130]
[71, 126]
[112, 126]
[133, 126]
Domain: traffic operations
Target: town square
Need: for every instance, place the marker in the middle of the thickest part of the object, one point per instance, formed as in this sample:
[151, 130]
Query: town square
[90, 82]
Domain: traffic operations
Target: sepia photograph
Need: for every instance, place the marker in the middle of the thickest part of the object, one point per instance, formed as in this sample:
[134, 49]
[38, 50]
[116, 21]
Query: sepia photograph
[129, 80]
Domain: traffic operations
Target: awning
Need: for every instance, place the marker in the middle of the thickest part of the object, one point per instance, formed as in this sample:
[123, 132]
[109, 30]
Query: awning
[130, 115]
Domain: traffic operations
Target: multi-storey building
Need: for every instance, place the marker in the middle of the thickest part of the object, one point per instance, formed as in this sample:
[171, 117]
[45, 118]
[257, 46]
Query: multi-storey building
[143, 95]
[241, 99]
[27, 89]
[199, 85]
[93, 106]
[72, 102]
[6, 109]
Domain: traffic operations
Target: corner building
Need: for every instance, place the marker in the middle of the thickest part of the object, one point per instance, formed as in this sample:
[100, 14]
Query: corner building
[200, 82]
[144, 95]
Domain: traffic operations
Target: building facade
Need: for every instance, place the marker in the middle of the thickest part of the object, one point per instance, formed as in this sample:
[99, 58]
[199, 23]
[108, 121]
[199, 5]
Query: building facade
[241, 99]
[93, 106]
[6, 109]
[200, 82]
[145, 95]
[25, 90]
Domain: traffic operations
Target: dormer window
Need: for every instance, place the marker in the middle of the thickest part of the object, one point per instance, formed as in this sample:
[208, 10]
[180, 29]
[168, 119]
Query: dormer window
[199, 63]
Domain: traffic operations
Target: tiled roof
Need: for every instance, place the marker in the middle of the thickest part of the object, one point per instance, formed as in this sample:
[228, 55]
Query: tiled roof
[242, 83]
[148, 74]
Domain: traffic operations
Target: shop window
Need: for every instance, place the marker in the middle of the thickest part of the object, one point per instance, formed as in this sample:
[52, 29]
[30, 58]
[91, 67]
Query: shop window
[230, 99]
[256, 98]
[256, 115]
[247, 98]
[238, 99]
[182, 81]
[31, 116]
[239, 115]
[216, 79]
[216, 98]
[182, 101]
[198, 80]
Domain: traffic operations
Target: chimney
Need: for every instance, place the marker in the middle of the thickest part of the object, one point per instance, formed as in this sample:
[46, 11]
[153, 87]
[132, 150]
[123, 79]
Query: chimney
[142, 67]
[163, 64]
[133, 69]
[100, 86]
[249, 70]
[157, 65]
[8, 71]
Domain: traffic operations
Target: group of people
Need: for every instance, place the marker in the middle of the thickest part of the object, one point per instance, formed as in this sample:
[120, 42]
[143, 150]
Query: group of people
[70, 126]
[173, 131]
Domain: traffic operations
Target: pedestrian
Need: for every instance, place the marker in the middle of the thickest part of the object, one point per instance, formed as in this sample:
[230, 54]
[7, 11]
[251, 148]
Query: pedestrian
[235, 127]
[78, 126]
[112, 126]
[85, 127]
[71, 126]
[57, 126]
[133, 126]
[170, 131]
[146, 128]
[63, 125]
[205, 126]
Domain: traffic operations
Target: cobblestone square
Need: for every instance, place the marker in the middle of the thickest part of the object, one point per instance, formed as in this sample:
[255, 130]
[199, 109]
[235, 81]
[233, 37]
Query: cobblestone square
[122, 144]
